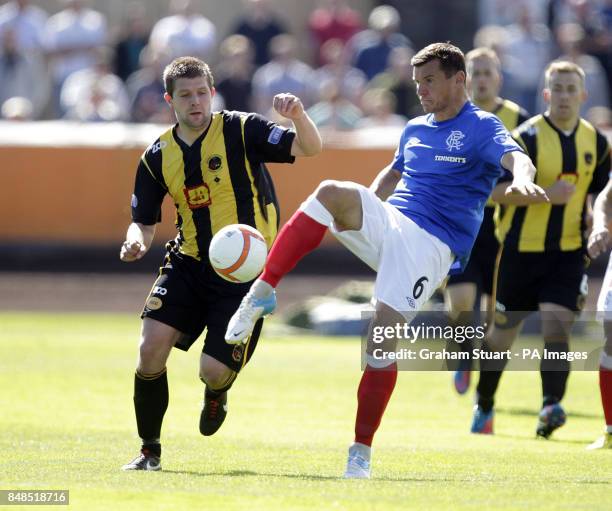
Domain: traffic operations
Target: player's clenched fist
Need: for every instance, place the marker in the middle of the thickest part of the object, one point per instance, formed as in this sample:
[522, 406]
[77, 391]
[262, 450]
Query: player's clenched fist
[131, 251]
[288, 105]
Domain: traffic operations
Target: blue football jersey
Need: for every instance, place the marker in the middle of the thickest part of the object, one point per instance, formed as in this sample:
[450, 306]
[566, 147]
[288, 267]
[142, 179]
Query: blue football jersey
[449, 169]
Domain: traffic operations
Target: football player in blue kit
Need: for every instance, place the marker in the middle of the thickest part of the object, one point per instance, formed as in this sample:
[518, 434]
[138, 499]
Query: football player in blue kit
[416, 222]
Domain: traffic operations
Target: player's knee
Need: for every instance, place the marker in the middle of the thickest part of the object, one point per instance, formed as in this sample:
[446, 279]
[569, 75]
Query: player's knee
[217, 377]
[152, 349]
[333, 194]
[555, 332]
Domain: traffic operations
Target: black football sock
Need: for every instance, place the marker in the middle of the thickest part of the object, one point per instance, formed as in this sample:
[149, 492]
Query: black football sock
[554, 372]
[490, 374]
[153, 447]
[150, 404]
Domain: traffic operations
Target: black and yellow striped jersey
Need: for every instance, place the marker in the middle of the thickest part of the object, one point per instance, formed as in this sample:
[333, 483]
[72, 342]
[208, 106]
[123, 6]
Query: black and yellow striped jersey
[511, 115]
[581, 157]
[221, 179]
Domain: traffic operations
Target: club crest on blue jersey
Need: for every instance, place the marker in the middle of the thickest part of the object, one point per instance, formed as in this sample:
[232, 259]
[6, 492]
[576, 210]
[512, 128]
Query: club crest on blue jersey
[454, 140]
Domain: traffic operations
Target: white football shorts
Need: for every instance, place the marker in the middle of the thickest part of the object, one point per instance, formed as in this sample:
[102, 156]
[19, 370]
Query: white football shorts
[410, 262]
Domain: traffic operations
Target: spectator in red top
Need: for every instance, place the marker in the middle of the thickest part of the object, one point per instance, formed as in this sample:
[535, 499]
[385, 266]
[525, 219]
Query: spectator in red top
[333, 19]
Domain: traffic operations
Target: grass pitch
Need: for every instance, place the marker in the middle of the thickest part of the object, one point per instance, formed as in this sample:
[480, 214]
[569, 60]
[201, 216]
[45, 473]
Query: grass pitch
[66, 422]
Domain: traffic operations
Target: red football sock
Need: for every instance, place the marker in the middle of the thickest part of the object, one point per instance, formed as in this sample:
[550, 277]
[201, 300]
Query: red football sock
[605, 385]
[374, 392]
[299, 236]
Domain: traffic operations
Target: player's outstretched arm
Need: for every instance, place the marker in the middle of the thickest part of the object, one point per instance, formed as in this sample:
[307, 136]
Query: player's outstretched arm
[138, 239]
[385, 182]
[523, 173]
[599, 239]
[308, 139]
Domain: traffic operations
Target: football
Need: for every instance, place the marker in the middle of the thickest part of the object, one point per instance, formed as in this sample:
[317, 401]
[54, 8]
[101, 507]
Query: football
[238, 253]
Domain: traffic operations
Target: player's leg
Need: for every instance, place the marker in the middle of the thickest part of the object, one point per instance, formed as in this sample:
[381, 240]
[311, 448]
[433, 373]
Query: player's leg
[170, 318]
[374, 391]
[332, 202]
[221, 362]
[562, 294]
[217, 378]
[499, 338]
[460, 299]
[411, 264]
[604, 310]
[557, 322]
[464, 288]
[516, 297]
[605, 387]
[151, 390]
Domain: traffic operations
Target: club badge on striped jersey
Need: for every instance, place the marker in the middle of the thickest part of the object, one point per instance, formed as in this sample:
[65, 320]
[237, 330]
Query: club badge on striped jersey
[215, 162]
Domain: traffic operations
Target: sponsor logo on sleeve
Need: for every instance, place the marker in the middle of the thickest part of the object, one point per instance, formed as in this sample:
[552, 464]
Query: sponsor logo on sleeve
[503, 138]
[275, 135]
[158, 146]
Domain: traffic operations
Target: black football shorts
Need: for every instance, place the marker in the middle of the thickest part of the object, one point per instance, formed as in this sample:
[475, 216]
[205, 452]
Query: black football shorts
[188, 295]
[527, 279]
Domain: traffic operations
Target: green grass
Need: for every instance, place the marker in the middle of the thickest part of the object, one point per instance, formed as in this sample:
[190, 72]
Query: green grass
[66, 422]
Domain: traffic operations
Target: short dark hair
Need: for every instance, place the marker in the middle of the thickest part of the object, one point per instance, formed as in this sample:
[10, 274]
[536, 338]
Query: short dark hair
[450, 57]
[186, 67]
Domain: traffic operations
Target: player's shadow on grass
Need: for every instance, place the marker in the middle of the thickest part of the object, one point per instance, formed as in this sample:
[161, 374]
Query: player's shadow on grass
[532, 412]
[551, 440]
[313, 477]
[247, 473]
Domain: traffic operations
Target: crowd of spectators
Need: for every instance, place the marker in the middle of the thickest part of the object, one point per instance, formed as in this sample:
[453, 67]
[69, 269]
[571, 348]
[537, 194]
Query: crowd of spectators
[352, 72]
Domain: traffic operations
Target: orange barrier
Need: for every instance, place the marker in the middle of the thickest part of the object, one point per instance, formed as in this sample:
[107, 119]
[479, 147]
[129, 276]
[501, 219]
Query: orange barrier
[66, 182]
[67, 193]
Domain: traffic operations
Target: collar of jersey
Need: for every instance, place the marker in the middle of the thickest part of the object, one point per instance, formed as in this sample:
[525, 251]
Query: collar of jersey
[466, 105]
[197, 142]
[561, 132]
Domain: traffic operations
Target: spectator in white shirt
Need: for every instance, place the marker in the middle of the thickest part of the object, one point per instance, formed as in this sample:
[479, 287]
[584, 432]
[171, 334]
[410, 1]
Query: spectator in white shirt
[186, 32]
[95, 94]
[71, 37]
[22, 74]
[26, 21]
[284, 73]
